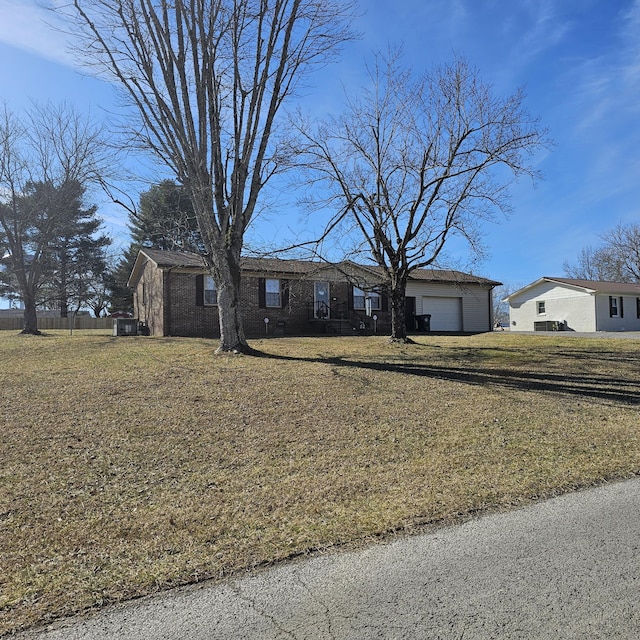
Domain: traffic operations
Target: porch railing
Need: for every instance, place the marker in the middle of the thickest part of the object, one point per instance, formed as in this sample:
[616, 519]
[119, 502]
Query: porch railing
[323, 311]
[339, 312]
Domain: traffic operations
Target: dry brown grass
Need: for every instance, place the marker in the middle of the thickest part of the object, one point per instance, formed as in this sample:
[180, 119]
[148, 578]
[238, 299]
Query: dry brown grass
[134, 464]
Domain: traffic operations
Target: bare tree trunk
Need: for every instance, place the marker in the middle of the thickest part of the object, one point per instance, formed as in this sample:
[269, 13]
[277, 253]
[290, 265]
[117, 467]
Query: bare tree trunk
[226, 273]
[30, 317]
[63, 293]
[397, 302]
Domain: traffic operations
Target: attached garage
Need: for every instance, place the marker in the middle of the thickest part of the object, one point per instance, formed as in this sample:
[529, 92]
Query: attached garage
[456, 302]
[446, 313]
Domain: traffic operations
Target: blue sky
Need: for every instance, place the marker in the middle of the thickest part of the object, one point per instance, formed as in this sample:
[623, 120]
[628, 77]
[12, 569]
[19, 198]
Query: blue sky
[577, 60]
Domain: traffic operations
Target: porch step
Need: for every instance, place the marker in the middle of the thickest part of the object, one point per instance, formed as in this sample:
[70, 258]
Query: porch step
[334, 327]
[340, 327]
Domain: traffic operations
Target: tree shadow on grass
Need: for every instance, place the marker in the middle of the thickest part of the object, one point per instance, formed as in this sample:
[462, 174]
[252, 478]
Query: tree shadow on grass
[618, 389]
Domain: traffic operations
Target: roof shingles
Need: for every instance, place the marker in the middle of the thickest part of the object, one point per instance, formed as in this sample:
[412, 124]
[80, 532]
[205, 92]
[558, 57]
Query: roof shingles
[179, 259]
[599, 285]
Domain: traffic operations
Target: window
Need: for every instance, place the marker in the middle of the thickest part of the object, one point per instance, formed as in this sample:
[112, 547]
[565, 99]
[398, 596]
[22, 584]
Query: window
[360, 299]
[613, 307]
[206, 291]
[638, 307]
[272, 293]
[210, 291]
[541, 308]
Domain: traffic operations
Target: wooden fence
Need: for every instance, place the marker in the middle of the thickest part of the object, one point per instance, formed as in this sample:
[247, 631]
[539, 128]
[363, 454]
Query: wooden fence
[16, 323]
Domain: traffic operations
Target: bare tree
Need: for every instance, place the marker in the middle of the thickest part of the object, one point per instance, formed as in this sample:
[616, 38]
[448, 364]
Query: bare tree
[500, 307]
[208, 78]
[616, 259]
[44, 159]
[414, 162]
[623, 243]
[594, 263]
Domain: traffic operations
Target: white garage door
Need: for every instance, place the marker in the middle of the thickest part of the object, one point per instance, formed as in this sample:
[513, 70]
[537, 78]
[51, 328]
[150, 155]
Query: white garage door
[446, 313]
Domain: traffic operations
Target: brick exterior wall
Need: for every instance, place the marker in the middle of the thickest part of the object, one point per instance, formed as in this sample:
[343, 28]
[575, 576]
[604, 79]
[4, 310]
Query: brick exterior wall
[184, 317]
[176, 313]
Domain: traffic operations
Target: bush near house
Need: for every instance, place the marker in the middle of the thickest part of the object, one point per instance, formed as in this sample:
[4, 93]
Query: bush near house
[136, 464]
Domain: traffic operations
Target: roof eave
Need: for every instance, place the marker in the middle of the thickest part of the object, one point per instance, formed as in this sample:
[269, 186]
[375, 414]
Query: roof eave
[141, 259]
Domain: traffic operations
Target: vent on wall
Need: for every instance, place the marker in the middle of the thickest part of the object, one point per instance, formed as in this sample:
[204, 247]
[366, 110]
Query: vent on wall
[548, 325]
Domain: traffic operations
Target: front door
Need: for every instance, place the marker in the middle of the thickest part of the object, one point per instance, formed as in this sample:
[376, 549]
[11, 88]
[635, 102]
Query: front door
[321, 300]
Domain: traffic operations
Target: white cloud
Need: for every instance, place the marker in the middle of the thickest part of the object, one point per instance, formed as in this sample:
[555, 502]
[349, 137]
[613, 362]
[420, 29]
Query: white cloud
[530, 31]
[25, 25]
[631, 39]
[604, 111]
[547, 29]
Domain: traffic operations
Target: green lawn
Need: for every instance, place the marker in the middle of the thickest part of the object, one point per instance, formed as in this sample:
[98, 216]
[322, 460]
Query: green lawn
[131, 465]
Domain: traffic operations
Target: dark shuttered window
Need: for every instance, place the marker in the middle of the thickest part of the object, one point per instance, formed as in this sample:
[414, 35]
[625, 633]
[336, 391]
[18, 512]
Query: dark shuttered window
[613, 307]
[273, 293]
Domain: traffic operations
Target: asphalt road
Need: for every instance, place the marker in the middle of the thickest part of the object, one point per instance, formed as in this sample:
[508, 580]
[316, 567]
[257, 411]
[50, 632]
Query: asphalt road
[564, 568]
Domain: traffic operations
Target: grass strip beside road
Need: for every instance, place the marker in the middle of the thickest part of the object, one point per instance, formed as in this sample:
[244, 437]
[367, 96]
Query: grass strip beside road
[131, 465]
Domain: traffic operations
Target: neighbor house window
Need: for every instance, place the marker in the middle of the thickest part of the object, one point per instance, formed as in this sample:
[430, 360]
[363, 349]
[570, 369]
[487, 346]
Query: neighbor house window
[638, 307]
[613, 307]
[360, 299]
[541, 308]
[210, 291]
[272, 293]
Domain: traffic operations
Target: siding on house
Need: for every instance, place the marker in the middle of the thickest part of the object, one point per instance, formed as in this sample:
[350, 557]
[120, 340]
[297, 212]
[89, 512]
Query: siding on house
[578, 304]
[627, 318]
[475, 301]
[184, 316]
[149, 298]
[562, 304]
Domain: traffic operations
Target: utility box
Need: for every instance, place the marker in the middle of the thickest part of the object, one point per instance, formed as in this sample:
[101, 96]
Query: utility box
[548, 325]
[125, 327]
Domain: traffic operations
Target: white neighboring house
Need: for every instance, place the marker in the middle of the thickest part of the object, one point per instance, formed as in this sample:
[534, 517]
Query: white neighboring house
[567, 304]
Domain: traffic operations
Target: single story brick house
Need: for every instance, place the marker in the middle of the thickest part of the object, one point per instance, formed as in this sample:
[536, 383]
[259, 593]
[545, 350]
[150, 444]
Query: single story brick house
[175, 296]
[568, 304]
